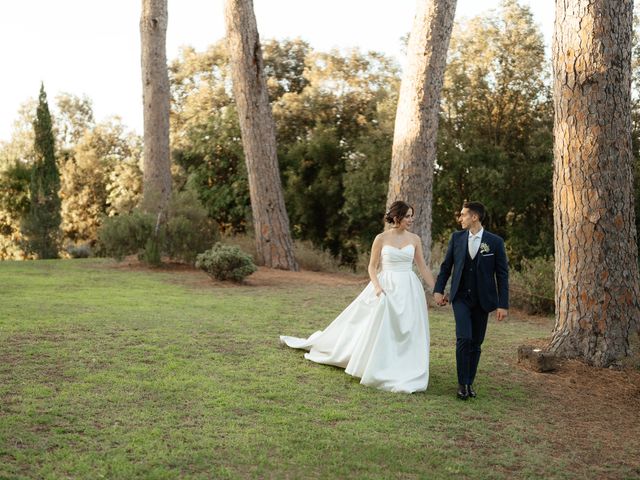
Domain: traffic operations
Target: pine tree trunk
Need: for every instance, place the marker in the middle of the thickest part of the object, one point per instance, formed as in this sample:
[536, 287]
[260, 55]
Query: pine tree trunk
[416, 126]
[597, 308]
[273, 238]
[155, 97]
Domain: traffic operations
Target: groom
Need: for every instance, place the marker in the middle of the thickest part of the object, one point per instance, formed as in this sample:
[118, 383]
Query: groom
[479, 285]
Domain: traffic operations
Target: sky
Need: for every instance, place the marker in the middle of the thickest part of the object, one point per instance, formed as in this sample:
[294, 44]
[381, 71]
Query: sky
[92, 48]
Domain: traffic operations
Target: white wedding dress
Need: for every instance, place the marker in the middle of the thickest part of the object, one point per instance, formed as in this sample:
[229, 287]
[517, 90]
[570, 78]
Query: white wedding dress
[382, 340]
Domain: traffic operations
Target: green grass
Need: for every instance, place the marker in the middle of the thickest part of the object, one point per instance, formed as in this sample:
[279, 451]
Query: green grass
[111, 373]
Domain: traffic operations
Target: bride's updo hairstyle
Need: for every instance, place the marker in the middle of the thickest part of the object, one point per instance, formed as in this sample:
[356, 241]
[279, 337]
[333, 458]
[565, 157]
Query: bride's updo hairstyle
[398, 210]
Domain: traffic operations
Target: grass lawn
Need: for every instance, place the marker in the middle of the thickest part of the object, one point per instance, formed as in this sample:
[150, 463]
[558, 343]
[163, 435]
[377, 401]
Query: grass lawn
[108, 371]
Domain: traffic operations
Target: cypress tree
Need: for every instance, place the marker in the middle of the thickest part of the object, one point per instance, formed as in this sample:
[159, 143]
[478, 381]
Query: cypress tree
[42, 224]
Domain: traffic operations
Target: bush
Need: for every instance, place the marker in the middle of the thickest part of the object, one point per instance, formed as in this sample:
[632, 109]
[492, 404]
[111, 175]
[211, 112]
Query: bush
[532, 288]
[127, 234]
[243, 241]
[225, 262]
[151, 253]
[186, 231]
[79, 251]
[308, 257]
[315, 259]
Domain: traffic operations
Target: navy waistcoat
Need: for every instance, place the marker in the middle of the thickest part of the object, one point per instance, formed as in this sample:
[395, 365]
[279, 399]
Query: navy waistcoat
[468, 290]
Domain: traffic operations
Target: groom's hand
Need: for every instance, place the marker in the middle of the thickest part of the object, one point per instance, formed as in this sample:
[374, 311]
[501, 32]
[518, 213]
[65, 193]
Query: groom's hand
[501, 314]
[440, 299]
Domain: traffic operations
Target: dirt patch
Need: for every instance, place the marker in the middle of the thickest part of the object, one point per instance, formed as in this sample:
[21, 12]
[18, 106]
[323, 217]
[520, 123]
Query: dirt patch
[272, 277]
[591, 413]
[264, 277]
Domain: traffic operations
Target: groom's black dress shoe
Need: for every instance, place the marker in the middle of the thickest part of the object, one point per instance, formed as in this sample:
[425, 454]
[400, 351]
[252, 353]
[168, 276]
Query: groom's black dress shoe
[471, 392]
[463, 393]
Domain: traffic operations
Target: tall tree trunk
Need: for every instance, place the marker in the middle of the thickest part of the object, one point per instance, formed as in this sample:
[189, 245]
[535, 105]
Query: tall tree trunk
[597, 306]
[416, 126]
[271, 223]
[155, 96]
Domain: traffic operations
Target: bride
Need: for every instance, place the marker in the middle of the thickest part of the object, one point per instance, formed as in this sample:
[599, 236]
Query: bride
[383, 336]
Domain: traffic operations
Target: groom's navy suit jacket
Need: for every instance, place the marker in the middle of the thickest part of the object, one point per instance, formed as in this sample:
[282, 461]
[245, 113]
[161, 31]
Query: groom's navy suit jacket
[492, 272]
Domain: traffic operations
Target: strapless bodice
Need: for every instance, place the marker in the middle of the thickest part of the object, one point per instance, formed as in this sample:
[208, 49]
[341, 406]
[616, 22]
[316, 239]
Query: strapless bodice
[397, 259]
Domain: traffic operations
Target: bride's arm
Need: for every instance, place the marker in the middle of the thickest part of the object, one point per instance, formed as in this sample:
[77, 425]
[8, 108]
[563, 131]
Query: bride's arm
[426, 274]
[374, 263]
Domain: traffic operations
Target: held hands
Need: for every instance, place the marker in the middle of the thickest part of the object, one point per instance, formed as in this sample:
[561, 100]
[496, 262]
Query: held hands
[440, 299]
[501, 314]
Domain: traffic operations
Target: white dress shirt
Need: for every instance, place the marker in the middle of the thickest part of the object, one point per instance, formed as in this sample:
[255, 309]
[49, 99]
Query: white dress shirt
[474, 242]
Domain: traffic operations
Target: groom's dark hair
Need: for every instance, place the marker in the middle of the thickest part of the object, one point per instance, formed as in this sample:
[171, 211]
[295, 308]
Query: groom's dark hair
[477, 208]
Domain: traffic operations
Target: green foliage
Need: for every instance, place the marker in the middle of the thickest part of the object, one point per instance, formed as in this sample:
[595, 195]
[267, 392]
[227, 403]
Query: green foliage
[284, 64]
[98, 164]
[532, 287]
[42, 224]
[99, 176]
[124, 186]
[14, 205]
[313, 259]
[226, 262]
[334, 121]
[151, 253]
[206, 135]
[126, 234]
[314, 189]
[19, 148]
[366, 180]
[334, 114]
[184, 231]
[335, 146]
[14, 189]
[188, 229]
[79, 251]
[215, 168]
[84, 196]
[308, 256]
[73, 118]
[495, 136]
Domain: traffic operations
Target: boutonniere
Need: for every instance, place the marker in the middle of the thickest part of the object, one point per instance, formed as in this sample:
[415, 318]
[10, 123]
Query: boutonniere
[484, 248]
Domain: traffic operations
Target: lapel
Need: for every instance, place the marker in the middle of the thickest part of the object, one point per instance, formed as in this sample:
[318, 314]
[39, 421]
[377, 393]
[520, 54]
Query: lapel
[482, 240]
[462, 247]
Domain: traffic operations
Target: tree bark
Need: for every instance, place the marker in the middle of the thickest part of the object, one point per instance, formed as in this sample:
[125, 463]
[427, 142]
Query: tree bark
[416, 126]
[271, 224]
[597, 289]
[155, 97]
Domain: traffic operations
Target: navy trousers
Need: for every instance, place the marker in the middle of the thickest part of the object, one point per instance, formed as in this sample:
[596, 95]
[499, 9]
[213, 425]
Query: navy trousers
[471, 326]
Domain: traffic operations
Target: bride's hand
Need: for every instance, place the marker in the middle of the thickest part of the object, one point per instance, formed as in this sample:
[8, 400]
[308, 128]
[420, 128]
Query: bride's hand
[379, 291]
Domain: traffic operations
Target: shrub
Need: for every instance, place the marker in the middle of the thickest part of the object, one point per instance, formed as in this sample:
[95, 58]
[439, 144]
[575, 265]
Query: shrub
[243, 241]
[315, 259]
[79, 251]
[127, 234]
[308, 257]
[151, 253]
[186, 231]
[225, 262]
[532, 288]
